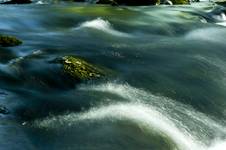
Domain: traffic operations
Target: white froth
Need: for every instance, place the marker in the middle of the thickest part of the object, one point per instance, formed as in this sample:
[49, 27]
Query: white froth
[154, 115]
[208, 34]
[144, 116]
[102, 25]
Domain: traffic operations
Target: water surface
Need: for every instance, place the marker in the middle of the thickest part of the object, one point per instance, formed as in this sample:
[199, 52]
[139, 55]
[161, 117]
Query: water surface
[167, 91]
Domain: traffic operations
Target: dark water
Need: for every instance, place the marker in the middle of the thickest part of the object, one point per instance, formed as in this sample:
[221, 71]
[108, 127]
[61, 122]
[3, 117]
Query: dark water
[167, 91]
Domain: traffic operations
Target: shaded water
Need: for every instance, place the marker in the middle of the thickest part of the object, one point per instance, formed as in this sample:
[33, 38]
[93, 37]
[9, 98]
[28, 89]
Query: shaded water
[168, 90]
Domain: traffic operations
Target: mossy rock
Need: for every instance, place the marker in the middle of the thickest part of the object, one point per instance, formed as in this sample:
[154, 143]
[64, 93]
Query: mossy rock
[128, 2]
[7, 41]
[180, 2]
[80, 69]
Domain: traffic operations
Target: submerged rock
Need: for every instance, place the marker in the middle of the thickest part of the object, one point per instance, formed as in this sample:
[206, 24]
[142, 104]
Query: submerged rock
[80, 69]
[17, 2]
[7, 41]
[3, 110]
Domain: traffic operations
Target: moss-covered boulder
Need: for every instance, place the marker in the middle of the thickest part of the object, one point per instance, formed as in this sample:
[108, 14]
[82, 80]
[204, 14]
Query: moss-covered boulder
[126, 2]
[7, 41]
[80, 69]
[180, 2]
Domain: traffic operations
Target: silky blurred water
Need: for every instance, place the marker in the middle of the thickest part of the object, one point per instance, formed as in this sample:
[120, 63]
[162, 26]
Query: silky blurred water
[167, 91]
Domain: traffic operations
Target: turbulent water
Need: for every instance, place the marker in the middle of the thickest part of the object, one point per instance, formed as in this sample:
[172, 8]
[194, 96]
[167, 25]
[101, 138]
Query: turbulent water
[167, 91]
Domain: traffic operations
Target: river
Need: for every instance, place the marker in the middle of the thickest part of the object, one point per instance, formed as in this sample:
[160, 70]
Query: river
[167, 91]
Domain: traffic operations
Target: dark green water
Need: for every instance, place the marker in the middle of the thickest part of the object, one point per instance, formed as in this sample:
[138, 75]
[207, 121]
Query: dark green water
[167, 91]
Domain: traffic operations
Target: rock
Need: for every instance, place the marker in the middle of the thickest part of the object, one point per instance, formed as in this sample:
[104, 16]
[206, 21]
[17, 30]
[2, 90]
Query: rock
[126, 2]
[80, 69]
[221, 2]
[180, 2]
[138, 2]
[4, 110]
[7, 41]
[17, 2]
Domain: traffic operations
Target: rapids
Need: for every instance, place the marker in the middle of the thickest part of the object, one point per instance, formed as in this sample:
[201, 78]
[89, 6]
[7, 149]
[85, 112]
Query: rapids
[167, 91]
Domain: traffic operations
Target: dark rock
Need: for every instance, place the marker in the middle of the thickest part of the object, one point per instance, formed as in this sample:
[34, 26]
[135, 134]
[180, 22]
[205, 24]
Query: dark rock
[7, 41]
[4, 110]
[17, 2]
[221, 2]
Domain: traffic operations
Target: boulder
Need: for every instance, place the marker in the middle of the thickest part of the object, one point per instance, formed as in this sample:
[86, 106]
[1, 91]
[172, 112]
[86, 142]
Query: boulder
[80, 69]
[7, 41]
[180, 2]
[126, 2]
[17, 2]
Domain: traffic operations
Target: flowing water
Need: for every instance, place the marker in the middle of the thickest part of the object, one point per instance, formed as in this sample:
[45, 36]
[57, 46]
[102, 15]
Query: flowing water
[167, 91]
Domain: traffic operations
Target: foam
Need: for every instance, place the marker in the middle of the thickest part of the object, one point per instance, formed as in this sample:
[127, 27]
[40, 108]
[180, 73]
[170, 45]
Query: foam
[148, 111]
[102, 25]
[142, 115]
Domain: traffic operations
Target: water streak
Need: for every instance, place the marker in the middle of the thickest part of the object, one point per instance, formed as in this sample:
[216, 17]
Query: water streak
[102, 25]
[153, 115]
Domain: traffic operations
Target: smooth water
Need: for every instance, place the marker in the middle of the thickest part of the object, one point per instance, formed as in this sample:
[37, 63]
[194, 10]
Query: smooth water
[167, 91]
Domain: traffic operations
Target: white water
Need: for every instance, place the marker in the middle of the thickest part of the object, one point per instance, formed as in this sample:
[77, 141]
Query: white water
[153, 115]
[222, 23]
[102, 25]
[218, 146]
[144, 116]
[163, 104]
[208, 34]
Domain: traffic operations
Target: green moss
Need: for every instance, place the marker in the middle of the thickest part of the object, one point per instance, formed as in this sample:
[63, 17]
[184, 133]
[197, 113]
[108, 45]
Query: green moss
[7, 41]
[80, 69]
[100, 11]
[128, 2]
[180, 2]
